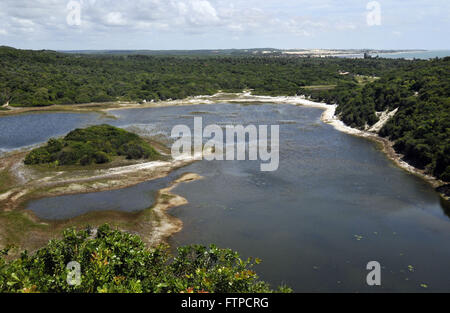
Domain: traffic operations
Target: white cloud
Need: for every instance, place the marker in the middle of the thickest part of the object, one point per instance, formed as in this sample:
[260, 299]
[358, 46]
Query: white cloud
[115, 19]
[180, 22]
[193, 13]
[202, 12]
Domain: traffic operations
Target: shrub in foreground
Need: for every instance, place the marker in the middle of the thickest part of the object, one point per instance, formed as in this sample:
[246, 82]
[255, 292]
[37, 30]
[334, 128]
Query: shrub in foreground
[114, 261]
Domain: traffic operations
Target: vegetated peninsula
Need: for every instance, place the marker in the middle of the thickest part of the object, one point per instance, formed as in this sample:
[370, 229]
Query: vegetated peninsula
[96, 144]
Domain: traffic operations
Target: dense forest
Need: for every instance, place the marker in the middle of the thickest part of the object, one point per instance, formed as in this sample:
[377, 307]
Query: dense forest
[118, 262]
[96, 144]
[39, 78]
[419, 89]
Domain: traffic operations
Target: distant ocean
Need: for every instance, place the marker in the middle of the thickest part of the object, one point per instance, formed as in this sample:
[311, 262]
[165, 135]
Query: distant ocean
[424, 55]
[417, 55]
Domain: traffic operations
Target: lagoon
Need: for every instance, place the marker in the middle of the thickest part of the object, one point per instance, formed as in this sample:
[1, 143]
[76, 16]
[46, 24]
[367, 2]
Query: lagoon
[335, 203]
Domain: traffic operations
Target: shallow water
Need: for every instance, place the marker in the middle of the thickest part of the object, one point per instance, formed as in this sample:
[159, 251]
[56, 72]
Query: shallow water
[303, 220]
[69, 206]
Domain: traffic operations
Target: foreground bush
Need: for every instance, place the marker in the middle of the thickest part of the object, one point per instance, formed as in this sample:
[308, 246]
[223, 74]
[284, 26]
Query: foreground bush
[96, 144]
[114, 261]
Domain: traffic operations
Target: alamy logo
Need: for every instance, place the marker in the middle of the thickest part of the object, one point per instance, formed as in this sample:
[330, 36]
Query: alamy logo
[73, 273]
[74, 15]
[374, 14]
[190, 144]
[374, 276]
[74, 11]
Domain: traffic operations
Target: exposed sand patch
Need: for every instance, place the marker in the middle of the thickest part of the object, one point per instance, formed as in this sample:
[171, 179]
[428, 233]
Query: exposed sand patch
[6, 195]
[384, 117]
[19, 195]
[163, 224]
[243, 97]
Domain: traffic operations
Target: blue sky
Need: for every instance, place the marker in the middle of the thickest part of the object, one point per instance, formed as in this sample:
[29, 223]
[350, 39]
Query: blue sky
[220, 24]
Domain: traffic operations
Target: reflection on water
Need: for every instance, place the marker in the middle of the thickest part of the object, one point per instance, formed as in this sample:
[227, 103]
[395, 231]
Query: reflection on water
[446, 206]
[132, 199]
[335, 203]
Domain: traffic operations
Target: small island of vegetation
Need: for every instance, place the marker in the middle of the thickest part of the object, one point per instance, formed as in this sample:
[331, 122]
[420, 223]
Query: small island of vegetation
[96, 144]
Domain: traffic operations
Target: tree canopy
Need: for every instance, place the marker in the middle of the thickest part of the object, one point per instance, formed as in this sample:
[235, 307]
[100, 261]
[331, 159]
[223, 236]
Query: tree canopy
[112, 261]
[95, 144]
[40, 78]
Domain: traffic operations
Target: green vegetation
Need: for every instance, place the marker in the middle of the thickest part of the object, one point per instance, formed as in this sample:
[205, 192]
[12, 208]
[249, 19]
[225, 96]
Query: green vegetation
[421, 128]
[113, 261]
[40, 78]
[96, 144]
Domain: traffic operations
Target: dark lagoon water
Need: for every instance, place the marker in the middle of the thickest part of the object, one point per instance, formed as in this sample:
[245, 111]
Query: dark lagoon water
[335, 203]
[70, 206]
[20, 131]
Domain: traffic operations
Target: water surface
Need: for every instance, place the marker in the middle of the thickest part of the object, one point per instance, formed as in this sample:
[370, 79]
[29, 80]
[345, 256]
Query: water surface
[425, 55]
[335, 203]
[19, 131]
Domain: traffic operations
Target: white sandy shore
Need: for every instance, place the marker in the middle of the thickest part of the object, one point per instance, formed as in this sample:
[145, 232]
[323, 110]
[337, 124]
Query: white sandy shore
[180, 161]
[165, 225]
